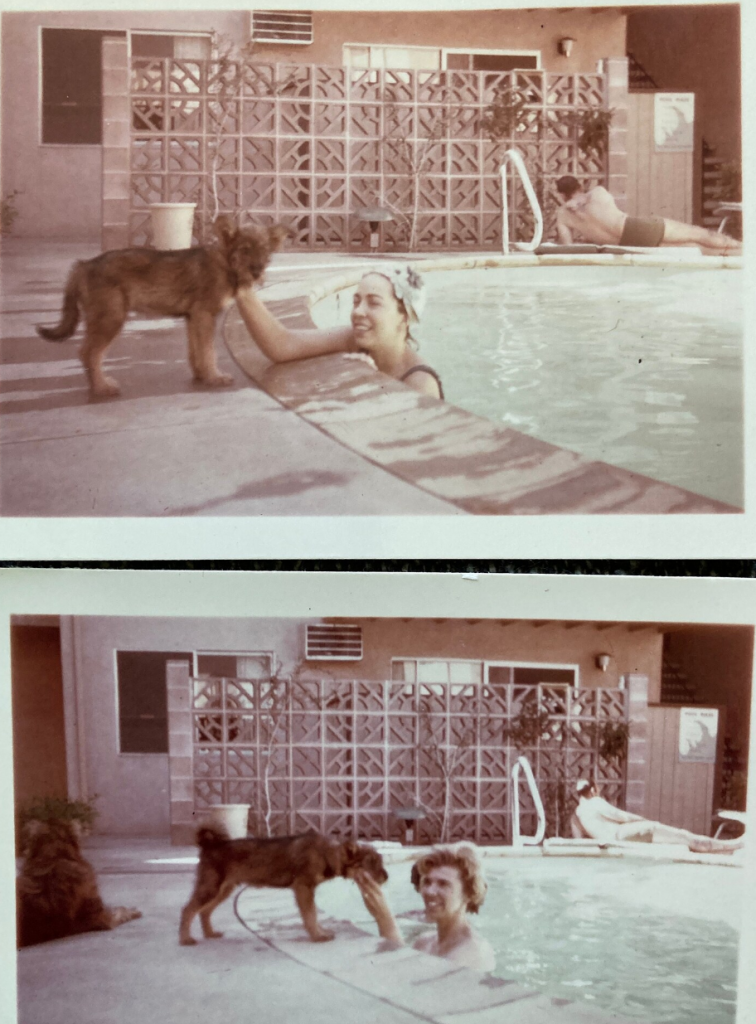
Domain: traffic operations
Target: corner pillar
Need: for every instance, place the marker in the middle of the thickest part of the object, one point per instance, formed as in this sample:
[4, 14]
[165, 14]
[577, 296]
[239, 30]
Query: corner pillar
[116, 138]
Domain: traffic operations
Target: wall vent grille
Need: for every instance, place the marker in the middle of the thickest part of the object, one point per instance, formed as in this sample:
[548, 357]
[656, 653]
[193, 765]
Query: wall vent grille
[334, 643]
[282, 27]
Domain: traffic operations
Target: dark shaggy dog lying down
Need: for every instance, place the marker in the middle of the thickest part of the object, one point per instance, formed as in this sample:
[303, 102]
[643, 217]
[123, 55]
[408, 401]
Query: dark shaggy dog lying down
[56, 892]
[298, 862]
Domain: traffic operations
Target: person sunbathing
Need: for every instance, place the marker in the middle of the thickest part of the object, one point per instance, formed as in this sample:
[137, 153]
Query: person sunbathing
[384, 309]
[450, 881]
[595, 216]
[595, 818]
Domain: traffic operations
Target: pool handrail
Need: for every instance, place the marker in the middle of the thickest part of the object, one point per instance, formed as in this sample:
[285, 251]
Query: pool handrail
[522, 764]
[513, 156]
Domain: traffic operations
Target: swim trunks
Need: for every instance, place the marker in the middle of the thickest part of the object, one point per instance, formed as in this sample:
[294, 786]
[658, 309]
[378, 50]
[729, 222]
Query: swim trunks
[646, 232]
[426, 369]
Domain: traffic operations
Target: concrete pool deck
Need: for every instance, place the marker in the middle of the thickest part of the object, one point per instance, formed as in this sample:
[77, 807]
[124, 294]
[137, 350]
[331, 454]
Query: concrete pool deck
[138, 972]
[323, 438]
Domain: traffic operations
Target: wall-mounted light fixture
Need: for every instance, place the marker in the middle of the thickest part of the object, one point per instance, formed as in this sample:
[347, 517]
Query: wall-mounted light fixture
[565, 45]
[602, 661]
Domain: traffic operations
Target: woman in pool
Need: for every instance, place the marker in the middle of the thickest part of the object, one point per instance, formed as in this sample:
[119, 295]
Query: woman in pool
[450, 881]
[386, 304]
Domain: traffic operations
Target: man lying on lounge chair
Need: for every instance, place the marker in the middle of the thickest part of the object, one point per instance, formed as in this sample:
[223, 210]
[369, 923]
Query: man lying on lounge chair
[595, 818]
[597, 218]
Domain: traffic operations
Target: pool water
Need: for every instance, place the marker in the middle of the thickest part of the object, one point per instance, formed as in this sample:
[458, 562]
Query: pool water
[638, 367]
[655, 942]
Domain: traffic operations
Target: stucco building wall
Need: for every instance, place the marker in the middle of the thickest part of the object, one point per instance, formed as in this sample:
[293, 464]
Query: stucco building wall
[597, 34]
[61, 184]
[695, 49]
[134, 788]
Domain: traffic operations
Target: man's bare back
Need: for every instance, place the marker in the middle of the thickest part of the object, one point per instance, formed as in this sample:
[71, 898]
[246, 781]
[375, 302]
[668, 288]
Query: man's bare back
[594, 215]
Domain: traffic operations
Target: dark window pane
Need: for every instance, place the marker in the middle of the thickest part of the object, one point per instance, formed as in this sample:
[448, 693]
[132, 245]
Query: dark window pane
[502, 62]
[458, 61]
[499, 674]
[530, 676]
[142, 700]
[151, 46]
[223, 665]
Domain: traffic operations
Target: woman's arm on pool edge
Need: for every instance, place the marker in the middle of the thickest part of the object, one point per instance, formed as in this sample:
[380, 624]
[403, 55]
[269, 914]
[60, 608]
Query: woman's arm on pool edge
[283, 344]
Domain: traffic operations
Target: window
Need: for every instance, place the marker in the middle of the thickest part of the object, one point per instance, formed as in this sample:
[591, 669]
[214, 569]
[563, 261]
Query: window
[405, 57]
[491, 60]
[363, 55]
[164, 44]
[143, 701]
[72, 86]
[256, 665]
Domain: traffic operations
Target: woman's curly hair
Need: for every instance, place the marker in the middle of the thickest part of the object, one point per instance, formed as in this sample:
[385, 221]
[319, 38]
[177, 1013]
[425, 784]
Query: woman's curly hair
[463, 857]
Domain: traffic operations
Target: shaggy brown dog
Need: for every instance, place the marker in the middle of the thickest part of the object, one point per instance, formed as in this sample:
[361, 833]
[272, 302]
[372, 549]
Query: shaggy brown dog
[299, 862]
[56, 892]
[192, 283]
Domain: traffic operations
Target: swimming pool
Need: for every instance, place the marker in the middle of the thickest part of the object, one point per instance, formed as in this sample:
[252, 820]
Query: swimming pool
[637, 366]
[657, 942]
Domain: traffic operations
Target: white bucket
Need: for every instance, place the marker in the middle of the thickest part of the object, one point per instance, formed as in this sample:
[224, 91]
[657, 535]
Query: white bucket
[231, 817]
[172, 225]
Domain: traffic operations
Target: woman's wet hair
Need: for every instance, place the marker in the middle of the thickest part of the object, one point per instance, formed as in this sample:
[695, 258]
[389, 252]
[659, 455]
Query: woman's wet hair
[463, 857]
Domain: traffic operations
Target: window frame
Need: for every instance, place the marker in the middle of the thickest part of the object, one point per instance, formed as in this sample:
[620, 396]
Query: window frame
[489, 51]
[103, 33]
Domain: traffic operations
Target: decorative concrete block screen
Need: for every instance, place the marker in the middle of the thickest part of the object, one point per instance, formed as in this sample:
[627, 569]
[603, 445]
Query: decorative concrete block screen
[312, 146]
[342, 756]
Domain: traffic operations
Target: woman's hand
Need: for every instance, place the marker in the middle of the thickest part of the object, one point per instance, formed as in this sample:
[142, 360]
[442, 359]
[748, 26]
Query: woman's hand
[376, 904]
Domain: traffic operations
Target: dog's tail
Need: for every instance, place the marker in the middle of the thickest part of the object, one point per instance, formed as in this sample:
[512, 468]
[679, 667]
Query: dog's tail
[69, 318]
[209, 836]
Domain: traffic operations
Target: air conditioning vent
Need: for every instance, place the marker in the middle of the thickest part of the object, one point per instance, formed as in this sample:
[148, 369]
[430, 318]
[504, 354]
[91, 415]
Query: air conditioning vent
[334, 643]
[282, 27]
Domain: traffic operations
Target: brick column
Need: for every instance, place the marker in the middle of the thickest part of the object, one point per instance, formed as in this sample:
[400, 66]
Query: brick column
[637, 745]
[180, 760]
[116, 134]
[616, 70]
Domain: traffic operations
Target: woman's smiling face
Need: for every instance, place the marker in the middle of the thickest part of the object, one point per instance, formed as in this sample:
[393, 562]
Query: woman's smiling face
[378, 321]
[443, 893]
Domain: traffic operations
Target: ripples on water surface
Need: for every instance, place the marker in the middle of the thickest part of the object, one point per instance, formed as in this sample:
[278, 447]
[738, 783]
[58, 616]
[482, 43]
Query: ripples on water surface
[638, 367]
[654, 942]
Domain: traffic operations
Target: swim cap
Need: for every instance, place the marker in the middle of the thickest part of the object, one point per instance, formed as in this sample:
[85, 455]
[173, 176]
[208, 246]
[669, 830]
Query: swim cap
[582, 786]
[409, 288]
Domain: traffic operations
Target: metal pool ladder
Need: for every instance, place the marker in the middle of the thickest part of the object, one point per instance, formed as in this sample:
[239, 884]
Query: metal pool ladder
[515, 158]
[522, 764]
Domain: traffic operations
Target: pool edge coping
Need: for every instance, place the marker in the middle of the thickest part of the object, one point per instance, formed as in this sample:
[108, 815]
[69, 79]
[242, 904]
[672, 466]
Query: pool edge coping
[294, 300]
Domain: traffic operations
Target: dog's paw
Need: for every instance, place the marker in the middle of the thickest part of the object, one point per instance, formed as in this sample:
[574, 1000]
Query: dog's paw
[123, 914]
[106, 388]
[220, 380]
